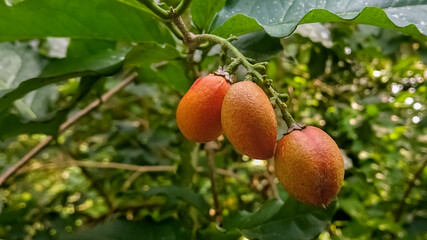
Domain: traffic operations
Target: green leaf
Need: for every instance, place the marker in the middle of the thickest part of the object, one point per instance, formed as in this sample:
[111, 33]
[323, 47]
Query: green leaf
[281, 220]
[146, 229]
[96, 19]
[13, 125]
[245, 220]
[187, 168]
[203, 12]
[279, 18]
[18, 62]
[185, 194]
[236, 25]
[82, 48]
[213, 232]
[258, 45]
[150, 52]
[172, 73]
[105, 63]
[294, 221]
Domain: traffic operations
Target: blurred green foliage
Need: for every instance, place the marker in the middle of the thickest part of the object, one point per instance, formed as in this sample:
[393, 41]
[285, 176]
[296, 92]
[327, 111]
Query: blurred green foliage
[363, 85]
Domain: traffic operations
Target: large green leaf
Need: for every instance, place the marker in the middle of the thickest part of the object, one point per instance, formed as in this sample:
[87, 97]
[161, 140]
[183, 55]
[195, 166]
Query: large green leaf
[105, 63]
[244, 219]
[18, 63]
[150, 52]
[48, 123]
[280, 17]
[236, 25]
[174, 193]
[258, 45]
[82, 48]
[294, 221]
[172, 73]
[203, 12]
[97, 19]
[213, 232]
[146, 229]
[36, 111]
[277, 220]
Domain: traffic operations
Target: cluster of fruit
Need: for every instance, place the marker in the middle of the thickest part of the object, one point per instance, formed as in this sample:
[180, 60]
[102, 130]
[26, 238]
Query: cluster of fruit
[308, 163]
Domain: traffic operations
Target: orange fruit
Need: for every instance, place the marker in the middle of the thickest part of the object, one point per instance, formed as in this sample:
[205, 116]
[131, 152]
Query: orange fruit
[309, 165]
[199, 112]
[249, 120]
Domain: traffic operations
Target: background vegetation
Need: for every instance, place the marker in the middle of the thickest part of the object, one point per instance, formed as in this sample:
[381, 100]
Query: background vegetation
[119, 168]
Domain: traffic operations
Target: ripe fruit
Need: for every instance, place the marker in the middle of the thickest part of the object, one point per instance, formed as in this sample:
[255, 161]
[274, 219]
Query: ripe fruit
[309, 165]
[199, 112]
[249, 120]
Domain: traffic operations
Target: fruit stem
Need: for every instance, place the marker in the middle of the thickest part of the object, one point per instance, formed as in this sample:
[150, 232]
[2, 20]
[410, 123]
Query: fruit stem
[240, 58]
[155, 8]
[180, 9]
[233, 65]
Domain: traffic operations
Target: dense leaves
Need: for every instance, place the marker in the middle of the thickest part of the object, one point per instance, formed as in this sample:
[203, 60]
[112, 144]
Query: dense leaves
[121, 229]
[280, 17]
[100, 179]
[98, 19]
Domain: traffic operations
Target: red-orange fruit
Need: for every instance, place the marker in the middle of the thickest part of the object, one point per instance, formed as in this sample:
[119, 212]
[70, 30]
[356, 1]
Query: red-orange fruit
[249, 120]
[199, 112]
[309, 165]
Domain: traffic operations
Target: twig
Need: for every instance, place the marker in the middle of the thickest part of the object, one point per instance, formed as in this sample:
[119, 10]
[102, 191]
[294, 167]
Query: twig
[270, 177]
[180, 9]
[123, 166]
[188, 37]
[130, 180]
[399, 212]
[155, 8]
[73, 119]
[109, 165]
[210, 148]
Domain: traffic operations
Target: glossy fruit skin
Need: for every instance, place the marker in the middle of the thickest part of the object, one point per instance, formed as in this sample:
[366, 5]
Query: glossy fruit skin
[249, 120]
[199, 112]
[309, 165]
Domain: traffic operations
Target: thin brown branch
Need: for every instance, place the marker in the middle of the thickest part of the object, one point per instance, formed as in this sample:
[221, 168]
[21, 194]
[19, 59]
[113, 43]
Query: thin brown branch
[10, 171]
[123, 166]
[210, 148]
[130, 180]
[418, 175]
[188, 37]
[73, 119]
[108, 165]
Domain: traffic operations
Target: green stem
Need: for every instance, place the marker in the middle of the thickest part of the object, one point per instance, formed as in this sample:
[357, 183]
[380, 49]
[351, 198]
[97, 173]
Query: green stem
[155, 8]
[174, 30]
[233, 65]
[180, 9]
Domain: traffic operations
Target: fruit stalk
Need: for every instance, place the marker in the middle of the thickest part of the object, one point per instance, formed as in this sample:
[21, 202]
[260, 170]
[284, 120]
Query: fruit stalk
[155, 8]
[239, 57]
